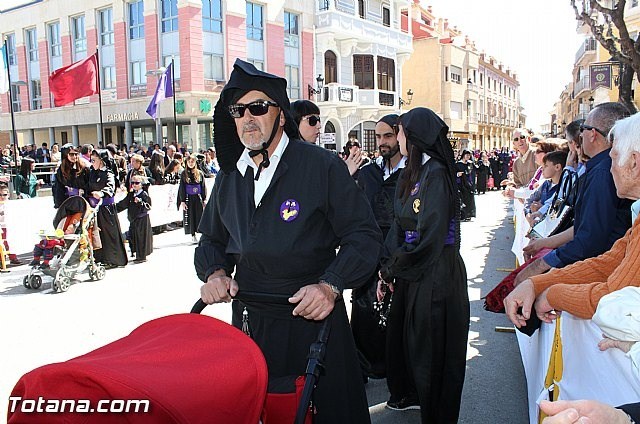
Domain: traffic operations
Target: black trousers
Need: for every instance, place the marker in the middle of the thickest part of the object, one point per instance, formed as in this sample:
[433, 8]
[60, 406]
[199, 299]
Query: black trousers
[427, 339]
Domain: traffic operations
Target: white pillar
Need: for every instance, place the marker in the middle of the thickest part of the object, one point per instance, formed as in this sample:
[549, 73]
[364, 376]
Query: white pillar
[194, 134]
[128, 133]
[75, 137]
[52, 136]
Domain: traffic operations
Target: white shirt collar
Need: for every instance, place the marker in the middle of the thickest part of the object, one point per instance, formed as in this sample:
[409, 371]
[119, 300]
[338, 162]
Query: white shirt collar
[425, 158]
[246, 160]
[635, 210]
[380, 162]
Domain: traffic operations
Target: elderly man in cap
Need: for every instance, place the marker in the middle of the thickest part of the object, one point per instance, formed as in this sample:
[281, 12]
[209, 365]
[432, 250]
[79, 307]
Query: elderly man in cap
[279, 209]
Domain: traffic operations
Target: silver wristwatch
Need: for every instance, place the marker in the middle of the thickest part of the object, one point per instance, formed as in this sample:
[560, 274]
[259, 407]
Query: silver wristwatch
[333, 288]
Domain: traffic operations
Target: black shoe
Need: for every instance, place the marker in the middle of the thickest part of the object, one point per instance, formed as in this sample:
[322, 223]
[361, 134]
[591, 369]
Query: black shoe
[404, 404]
[15, 262]
[34, 263]
[139, 260]
[44, 266]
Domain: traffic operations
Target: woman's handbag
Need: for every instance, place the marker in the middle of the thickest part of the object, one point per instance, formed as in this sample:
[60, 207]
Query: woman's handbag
[560, 214]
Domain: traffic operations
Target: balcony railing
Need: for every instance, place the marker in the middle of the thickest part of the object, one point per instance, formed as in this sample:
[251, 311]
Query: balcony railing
[341, 26]
[589, 45]
[583, 84]
[341, 94]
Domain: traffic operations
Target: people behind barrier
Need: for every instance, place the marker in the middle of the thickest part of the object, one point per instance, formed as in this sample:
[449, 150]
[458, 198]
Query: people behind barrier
[601, 217]
[578, 287]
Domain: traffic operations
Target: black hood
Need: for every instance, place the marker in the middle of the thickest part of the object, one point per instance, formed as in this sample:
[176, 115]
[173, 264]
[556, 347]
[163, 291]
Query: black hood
[244, 78]
[426, 130]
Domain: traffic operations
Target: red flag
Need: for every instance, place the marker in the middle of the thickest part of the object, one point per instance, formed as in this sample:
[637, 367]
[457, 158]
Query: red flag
[75, 81]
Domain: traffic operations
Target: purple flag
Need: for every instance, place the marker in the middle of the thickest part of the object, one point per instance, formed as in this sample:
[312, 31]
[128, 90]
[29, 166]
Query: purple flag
[163, 90]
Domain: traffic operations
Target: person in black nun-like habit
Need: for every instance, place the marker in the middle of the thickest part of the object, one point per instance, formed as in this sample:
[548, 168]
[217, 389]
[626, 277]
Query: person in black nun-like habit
[279, 209]
[102, 185]
[137, 203]
[422, 265]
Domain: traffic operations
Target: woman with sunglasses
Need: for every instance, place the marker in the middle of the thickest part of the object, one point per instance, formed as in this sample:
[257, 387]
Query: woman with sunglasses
[71, 177]
[307, 117]
[423, 268]
[102, 186]
[138, 204]
[192, 194]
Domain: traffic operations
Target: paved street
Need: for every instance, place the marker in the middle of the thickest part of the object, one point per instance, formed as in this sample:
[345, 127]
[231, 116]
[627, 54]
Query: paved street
[40, 327]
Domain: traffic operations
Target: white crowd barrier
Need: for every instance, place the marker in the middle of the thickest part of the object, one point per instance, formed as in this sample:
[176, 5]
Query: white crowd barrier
[520, 239]
[586, 372]
[25, 218]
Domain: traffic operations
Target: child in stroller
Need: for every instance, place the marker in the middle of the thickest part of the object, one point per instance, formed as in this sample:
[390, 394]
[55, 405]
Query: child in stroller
[46, 246]
[74, 244]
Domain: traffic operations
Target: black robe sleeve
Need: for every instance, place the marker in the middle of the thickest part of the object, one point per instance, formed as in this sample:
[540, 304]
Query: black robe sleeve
[58, 191]
[409, 261]
[124, 203]
[182, 193]
[203, 188]
[210, 255]
[353, 222]
[110, 188]
[145, 200]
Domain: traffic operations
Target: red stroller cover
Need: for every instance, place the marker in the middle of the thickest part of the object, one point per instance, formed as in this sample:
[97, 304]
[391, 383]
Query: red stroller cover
[191, 368]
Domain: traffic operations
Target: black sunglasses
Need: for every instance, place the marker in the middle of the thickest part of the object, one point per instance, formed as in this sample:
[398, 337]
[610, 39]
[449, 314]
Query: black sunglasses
[589, 127]
[257, 108]
[313, 120]
[519, 138]
[136, 182]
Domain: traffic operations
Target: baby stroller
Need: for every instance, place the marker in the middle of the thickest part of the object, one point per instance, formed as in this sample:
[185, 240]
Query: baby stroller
[75, 219]
[184, 368]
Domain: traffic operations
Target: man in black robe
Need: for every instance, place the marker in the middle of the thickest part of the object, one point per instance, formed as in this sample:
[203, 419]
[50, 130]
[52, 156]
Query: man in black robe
[378, 181]
[279, 209]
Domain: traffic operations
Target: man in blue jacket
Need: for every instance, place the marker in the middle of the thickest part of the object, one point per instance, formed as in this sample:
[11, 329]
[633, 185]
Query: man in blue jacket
[601, 217]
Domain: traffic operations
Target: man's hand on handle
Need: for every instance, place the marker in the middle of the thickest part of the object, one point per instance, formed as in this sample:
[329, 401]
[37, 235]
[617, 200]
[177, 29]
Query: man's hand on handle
[315, 301]
[218, 288]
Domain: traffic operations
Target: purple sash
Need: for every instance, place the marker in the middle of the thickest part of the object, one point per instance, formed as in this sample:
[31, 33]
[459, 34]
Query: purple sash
[72, 191]
[193, 189]
[106, 201]
[451, 235]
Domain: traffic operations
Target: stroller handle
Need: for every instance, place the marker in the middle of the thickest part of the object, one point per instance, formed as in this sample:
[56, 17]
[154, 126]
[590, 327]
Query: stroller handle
[248, 296]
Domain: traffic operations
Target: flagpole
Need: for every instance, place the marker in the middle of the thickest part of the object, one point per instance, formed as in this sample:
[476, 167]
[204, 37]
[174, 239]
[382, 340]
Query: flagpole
[173, 86]
[100, 132]
[14, 136]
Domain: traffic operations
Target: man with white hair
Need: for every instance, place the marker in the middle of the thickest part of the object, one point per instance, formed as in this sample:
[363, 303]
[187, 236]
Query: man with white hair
[578, 288]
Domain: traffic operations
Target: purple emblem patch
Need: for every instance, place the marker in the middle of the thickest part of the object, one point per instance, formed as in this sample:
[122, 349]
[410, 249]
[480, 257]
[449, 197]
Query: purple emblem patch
[415, 189]
[289, 210]
[411, 236]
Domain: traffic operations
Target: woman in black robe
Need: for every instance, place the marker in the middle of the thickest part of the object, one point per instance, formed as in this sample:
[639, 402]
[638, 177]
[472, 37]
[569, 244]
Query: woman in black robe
[137, 204]
[71, 177]
[429, 315]
[102, 185]
[463, 178]
[494, 162]
[483, 170]
[191, 196]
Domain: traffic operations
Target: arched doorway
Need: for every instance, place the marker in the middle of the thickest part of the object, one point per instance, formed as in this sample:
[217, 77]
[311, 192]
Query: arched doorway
[330, 67]
[328, 137]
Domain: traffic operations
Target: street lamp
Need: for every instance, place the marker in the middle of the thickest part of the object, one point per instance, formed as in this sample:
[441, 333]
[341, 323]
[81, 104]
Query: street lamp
[591, 102]
[319, 84]
[409, 98]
